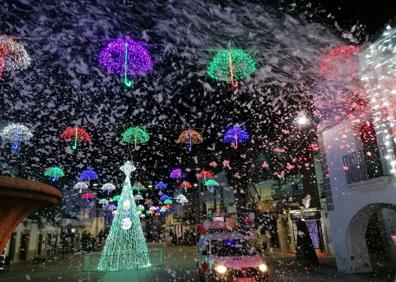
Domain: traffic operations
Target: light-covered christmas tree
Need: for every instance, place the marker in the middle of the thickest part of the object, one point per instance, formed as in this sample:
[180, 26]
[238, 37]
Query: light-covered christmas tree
[125, 246]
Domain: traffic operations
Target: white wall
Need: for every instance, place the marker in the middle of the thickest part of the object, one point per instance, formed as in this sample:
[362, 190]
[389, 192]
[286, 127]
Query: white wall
[350, 199]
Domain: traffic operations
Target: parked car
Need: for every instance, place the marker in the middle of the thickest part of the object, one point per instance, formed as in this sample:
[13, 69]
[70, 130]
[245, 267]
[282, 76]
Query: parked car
[229, 256]
[4, 263]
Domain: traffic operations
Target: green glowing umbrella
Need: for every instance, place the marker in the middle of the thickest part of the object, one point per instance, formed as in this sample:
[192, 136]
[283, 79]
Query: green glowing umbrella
[136, 135]
[231, 66]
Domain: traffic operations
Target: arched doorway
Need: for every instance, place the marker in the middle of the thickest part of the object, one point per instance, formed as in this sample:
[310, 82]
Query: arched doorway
[369, 237]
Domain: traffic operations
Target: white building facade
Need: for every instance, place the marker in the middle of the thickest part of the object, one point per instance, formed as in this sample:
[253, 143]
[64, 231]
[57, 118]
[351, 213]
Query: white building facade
[360, 165]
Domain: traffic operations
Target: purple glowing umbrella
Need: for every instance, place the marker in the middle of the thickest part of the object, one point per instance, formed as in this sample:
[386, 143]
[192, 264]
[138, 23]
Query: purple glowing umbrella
[176, 173]
[127, 58]
[234, 135]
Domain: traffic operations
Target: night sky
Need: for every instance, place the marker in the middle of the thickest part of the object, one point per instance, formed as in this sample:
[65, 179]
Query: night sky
[66, 86]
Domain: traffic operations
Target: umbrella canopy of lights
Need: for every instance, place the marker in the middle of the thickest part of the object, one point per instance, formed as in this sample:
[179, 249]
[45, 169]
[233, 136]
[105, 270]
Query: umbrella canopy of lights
[116, 198]
[88, 197]
[190, 137]
[140, 208]
[88, 174]
[15, 133]
[235, 135]
[108, 187]
[185, 185]
[80, 186]
[135, 135]
[104, 202]
[176, 173]
[231, 66]
[13, 55]
[138, 187]
[210, 184]
[181, 199]
[161, 186]
[111, 207]
[164, 197]
[126, 58]
[153, 209]
[54, 173]
[340, 63]
[138, 198]
[204, 175]
[168, 202]
[163, 209]
[75, 134]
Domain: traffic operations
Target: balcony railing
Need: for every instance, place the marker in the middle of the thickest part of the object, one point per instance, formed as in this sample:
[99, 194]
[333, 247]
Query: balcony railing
[364, 164]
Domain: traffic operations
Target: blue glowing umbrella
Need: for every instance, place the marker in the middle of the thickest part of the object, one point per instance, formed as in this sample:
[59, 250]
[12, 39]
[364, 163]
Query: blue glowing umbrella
[164, 198]
[88, 175]
[161, 186]
[234, 135]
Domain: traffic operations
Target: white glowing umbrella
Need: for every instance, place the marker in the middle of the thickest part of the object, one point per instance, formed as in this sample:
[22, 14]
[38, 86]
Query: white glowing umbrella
[108, 187]
[80, 186]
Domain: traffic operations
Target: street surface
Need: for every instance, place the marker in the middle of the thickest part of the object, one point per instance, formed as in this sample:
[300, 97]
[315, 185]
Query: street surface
[179, 265]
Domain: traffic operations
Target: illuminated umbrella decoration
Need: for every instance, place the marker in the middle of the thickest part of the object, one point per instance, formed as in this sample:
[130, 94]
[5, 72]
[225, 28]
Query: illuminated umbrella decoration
[138, 187]
[135, 135]
[104, 202]
[111, 207]
[204, 175]
[116, 198]
[210, 184]
[235, 135]
[76, 134]
[80, 186]
[88, 174]
[108, 187]
[163, 209]
[164, 197]
[127, 58]
[54, 173]
[181, 199]
[148, 202]
[140, 208]
[168, 202]
[88, 197]
[185, 185]
[190, 137]
[176, 173]
[161, 186]
[230, 66]
[13, 55]
[138, 198]
[340, 63]
[15, 133]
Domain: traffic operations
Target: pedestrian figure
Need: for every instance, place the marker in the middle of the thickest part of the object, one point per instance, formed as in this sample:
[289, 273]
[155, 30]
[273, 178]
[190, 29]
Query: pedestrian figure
[306, 254]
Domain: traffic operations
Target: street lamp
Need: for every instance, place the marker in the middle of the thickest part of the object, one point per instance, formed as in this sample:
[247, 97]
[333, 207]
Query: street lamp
[302, 119]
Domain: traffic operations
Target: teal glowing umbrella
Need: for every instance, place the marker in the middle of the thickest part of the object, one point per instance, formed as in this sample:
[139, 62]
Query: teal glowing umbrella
[54, 173]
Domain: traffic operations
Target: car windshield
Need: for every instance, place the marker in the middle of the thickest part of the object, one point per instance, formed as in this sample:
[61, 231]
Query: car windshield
[232, 247]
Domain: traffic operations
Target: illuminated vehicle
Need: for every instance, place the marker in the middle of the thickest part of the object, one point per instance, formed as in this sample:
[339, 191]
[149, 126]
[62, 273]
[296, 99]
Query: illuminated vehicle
[229, 256]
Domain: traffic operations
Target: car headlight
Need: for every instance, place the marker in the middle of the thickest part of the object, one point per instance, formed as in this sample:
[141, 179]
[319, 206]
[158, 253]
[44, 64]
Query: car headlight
[220, 269]
[263, 267]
